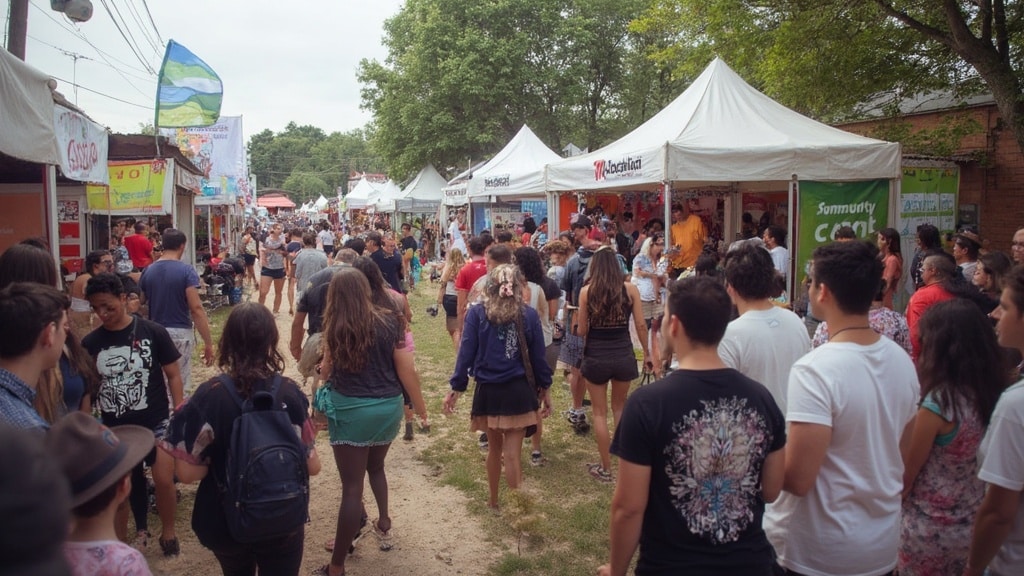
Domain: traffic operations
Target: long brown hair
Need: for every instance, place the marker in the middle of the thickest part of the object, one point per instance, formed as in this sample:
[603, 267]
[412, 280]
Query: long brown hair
[351, 320]
[248, 346]
[605, 296]
[960, 357]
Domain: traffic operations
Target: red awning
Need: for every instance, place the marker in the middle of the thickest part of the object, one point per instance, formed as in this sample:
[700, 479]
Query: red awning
[275, 202]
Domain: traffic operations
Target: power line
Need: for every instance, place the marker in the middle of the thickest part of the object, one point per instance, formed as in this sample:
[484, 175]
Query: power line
[135, 50]
[82, 37]
[83, 57]
[142, 25]
[98, 93]
[151, 21]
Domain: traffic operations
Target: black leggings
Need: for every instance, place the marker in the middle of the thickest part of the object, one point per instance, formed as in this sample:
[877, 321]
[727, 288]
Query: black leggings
[278, 557]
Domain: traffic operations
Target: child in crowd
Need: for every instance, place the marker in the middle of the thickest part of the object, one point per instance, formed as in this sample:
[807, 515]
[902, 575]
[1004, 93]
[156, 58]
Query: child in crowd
[98, 462]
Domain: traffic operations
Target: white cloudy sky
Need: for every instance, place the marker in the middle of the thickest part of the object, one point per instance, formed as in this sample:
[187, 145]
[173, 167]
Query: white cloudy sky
[279, 61]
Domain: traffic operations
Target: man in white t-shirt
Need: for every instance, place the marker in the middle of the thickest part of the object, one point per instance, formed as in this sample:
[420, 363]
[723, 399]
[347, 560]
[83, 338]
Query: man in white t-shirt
[765, 341]
[775, 240]
[850, 402]
[998, 540]
[458, 240]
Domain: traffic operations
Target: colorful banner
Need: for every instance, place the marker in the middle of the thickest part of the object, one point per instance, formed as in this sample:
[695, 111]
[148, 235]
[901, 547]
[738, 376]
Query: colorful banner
[81, 145]
[219, 151]
[136, 187]
[189, 92]
[824, 207]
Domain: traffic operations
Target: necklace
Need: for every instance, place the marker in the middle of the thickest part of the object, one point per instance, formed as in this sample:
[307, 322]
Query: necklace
[838, 332]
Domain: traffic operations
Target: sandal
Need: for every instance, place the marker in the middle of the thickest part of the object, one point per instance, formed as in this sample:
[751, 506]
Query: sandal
[385, 539]
[170, 547]
[324, 570]
[329, 545]
[142, 538]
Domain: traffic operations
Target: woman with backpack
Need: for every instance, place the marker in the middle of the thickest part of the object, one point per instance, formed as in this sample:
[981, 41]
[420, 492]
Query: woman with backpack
[367, 365]
[212, 439]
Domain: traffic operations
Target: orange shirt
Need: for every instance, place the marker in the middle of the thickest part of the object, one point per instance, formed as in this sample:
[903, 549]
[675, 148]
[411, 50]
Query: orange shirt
[688, 236]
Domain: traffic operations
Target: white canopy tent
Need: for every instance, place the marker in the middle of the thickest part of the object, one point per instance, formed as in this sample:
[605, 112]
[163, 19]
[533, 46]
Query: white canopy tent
[389, 193]
[424, 193]
[722, 131]
[362, 196]
[320, 203]
[514, 173]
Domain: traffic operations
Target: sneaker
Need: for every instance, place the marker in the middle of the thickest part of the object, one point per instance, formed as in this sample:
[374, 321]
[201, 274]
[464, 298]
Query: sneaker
[537, 459]
[483, 441]
[408, 432]
[579, 422]
[600, 474]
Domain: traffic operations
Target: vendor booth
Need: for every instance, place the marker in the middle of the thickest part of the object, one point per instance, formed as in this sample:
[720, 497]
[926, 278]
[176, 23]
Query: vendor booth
[727, 147]
[422, 198]
[510, 186]
[40, 132]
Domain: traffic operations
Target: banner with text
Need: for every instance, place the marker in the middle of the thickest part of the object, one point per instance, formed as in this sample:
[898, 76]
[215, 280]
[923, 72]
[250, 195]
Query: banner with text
[81, 146]
[136, 187]
[824, 207]
[928, 196]
[219, 152]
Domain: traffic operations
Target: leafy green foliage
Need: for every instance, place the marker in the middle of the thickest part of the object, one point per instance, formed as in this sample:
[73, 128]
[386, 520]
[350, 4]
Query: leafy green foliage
[307, 162]
[461, 78]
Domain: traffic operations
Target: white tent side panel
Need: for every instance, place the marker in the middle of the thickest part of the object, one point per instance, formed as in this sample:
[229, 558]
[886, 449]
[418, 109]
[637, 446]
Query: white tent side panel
[517, 171]
[26, 112]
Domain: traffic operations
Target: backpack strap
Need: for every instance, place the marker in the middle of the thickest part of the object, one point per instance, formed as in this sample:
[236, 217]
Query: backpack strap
[229, 384]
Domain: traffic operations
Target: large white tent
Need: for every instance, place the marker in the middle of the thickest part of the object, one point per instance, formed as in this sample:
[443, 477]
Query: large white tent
[514, 173]
[389, 193]
[424, 192]
[363, 195]
[721, 130]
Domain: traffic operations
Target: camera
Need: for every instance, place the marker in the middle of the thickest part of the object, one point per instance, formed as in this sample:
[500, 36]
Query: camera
[432, 310]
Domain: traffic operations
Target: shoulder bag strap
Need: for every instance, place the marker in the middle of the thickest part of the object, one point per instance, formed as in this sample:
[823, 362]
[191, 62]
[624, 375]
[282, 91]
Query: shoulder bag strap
[527, 364]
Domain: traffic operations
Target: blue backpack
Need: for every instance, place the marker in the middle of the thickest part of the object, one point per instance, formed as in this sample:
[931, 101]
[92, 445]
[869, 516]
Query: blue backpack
[266, 486]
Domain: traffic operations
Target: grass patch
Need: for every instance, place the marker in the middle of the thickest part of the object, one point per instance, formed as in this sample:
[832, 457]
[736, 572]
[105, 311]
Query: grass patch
[558, 523]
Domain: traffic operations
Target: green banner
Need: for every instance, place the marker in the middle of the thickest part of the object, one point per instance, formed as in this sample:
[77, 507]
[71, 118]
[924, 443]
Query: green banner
[824, 207]
[928, 196]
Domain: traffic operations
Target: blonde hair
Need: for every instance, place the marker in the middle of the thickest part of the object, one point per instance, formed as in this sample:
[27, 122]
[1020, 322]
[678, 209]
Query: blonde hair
[453, 263]
[503, 294]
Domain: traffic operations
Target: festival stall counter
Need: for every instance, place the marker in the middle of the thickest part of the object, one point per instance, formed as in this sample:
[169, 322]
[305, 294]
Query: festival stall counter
[42, 132]
[722, 138]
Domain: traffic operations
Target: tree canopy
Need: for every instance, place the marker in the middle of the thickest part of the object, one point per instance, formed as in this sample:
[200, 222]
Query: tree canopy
[461, 78]
[306, 161]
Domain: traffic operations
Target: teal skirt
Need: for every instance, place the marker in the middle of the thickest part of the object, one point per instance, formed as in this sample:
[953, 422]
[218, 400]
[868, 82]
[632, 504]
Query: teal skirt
[359, 421]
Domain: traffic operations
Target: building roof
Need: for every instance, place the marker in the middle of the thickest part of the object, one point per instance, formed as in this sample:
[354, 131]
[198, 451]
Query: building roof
[274, 200]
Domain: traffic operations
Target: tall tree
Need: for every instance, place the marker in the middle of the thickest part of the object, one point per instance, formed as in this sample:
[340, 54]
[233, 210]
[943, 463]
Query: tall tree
[461, 78]
[827, 57]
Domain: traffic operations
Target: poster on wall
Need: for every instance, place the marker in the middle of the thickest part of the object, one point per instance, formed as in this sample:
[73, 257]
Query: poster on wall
[824, 207]
[928, 196]
[136, 187]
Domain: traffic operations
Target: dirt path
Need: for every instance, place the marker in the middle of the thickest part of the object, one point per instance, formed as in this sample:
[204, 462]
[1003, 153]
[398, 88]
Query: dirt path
[434, 532]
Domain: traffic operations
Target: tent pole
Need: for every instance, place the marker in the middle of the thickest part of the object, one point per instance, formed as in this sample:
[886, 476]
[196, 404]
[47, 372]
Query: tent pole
[667, 194]
[793, 184]
[52, 229]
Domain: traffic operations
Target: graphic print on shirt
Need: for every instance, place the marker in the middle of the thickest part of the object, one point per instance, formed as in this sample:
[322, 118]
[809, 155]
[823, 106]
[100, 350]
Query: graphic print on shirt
[510, 336]
[125, 374]
[709, 464]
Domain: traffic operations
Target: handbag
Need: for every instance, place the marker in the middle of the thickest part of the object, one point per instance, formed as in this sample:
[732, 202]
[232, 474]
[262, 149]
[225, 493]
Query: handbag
[528, 365]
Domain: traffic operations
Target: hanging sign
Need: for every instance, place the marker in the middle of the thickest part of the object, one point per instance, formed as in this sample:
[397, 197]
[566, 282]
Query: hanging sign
[81, 146]
[136, 187]
[824, 207]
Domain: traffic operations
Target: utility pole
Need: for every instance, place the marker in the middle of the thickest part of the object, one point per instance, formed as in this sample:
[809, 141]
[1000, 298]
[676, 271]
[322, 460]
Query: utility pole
[17, 28]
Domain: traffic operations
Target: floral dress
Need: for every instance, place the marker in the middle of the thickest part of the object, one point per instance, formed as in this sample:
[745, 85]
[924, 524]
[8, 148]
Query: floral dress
[938, 514]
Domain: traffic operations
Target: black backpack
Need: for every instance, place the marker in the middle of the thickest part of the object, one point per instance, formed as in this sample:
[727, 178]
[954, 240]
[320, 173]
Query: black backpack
[265, 492]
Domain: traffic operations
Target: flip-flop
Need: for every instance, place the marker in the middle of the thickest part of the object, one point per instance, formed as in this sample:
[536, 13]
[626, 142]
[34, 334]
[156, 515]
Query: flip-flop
[385, 539]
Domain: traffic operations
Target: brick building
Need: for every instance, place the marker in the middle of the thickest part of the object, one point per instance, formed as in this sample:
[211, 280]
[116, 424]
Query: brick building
[991, 162]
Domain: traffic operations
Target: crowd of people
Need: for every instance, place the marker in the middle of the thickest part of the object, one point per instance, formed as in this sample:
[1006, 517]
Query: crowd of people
[831, 436]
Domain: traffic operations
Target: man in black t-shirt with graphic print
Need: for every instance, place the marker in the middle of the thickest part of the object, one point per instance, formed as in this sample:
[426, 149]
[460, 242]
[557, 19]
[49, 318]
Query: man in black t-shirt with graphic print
[700, 453]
